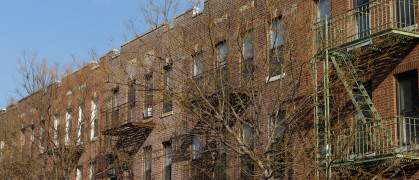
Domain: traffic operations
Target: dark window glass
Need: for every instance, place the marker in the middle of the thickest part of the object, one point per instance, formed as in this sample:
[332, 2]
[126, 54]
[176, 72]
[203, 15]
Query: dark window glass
[197, 64]
[147, 163]
[405, 13]
[276, 43]
[247, 52]
[362, 18]
[167, 164]
[222, 65]
[407, 106]
[115, 105]
[148, 93]
[168, 92]
[131, 102]
[277, 126]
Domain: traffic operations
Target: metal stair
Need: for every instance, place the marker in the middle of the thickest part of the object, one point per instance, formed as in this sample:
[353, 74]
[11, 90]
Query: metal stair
[362, 102]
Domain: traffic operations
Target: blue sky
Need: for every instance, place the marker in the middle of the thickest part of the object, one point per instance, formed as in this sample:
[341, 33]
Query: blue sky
[58, 29]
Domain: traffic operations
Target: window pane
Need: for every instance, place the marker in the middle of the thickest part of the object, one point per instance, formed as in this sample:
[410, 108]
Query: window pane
[196, 148]
[248, 134]
[323, 8]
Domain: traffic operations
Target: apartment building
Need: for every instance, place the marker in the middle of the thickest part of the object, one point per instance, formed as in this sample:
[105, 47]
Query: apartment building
[291, 89]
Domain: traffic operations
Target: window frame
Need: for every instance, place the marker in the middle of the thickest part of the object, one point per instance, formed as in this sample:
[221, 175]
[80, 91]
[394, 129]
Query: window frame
[148, 95]
[80, 124]
[168, 91]
[197, 65]
[148, 162]
[94, 129]
[168, 157]
[247, 52]
[276, 46]
[222, 63]
[68, 126]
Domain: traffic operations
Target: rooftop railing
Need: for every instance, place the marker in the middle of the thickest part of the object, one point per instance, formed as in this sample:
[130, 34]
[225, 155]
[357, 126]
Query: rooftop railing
[369, 141]
[365, 22]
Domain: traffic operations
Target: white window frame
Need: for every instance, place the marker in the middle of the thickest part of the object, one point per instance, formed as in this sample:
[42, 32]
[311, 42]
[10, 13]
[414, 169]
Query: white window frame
[80, 123]
[93, 168]
[197, 70]
[68, 121]
[56, 125]
[79, 173]
[94, 117]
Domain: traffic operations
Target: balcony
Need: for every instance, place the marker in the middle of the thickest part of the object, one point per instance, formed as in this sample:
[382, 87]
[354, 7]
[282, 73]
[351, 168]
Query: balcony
[391, 138]
[368, 23]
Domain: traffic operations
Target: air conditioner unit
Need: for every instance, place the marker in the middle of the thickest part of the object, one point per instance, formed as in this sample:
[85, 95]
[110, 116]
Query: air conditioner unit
[148, 112]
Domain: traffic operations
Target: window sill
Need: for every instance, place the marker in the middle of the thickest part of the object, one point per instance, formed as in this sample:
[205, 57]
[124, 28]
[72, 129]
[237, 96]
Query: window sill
[93, 139]
[274, 78]
[167, 114]
[359, 45]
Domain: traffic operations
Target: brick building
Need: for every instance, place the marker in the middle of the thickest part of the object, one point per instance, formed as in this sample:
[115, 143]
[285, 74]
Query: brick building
[257, 89]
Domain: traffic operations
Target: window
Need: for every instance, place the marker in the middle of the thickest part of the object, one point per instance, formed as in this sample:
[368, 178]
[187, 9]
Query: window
[56, 129]
[247, 165]
[94, 121]
[197, 65]
[247, 52]
[22, 137]
[277, 126]
[197, 164]
[148, 103]
[115, 105]
[42, 136]
[79, 173]
[222, 65]
[276, 43]
[196, 148]
[115, 98]
[407, 106]
[220, 168]
[362, 18]
[147, 163]
[131, 101]
[247, 135]
[323, 9]
[167, 161]
[405, 13]
[168, 93]
[80, 121]
[32, 138]
[93, 167]
[68, 122]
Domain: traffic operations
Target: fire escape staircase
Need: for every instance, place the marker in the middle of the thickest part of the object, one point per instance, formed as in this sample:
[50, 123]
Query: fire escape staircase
[374, 27]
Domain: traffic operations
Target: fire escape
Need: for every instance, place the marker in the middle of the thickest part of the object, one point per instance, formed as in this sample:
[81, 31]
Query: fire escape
[124, 136]
[375, 27]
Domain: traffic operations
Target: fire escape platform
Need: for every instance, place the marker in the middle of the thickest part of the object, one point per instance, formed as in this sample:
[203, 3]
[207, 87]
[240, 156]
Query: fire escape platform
[388, 32]
[128, 128]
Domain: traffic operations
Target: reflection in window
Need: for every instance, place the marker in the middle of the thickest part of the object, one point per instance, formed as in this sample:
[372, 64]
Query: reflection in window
[247, 52]
[276, 43]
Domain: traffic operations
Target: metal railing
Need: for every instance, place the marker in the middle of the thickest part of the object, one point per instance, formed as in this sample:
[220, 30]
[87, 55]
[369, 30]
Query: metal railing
[122, 114]
[365, 21]
[368, 140]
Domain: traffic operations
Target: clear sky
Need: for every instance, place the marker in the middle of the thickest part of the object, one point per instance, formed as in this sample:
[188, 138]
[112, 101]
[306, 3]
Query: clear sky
[57, 29]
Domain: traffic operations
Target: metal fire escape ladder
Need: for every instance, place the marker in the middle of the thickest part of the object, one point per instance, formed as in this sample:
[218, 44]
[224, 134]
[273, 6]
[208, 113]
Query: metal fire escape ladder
[361, 100]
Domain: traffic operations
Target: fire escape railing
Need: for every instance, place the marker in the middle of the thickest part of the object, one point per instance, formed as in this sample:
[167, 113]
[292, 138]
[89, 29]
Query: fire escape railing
[122, 114]
[366, 22]
[363, 141]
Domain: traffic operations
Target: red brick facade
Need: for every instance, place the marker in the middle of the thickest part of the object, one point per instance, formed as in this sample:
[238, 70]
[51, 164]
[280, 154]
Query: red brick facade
[150, 55]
